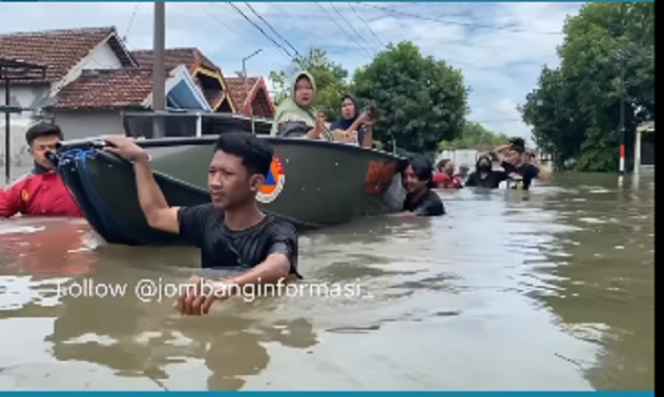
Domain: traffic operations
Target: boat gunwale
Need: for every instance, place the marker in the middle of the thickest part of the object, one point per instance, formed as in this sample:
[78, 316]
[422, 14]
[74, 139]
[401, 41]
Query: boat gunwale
[98, 142]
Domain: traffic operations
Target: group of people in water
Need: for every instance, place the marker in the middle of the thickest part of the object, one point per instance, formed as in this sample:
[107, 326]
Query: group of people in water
[231, 231]
[519, 168]
[297, 117]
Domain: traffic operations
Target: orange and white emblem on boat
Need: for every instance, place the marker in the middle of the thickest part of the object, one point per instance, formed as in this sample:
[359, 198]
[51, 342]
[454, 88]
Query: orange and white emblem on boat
[274, 182]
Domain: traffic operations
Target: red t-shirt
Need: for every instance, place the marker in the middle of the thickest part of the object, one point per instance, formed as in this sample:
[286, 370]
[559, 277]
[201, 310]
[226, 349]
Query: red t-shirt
[444, 180]
[38, 194]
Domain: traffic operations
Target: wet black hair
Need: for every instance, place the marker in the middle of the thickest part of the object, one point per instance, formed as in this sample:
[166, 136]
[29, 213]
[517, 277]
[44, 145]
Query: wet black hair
[41, 130]
[518, 141]
[256, 154]
[423, 169]
[518, 148]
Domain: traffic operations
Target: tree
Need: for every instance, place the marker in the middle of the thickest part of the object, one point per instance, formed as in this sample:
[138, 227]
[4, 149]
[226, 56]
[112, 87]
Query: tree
[331, 81]
[607, 54]
[552, 110]
[472, 135]
[419, 100]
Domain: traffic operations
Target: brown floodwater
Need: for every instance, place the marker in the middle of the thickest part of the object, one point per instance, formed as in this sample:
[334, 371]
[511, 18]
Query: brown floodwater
[553, 290]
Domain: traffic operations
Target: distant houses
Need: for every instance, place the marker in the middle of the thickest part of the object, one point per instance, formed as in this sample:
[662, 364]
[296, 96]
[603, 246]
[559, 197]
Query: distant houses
[91, 78]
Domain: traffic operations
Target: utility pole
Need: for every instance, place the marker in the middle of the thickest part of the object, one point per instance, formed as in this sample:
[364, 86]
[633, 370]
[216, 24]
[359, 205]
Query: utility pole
[158, 69]
[621, 123]
[8, 163]
[244, 75]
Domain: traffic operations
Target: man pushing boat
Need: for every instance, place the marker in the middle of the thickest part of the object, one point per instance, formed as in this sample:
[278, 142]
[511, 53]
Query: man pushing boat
[231, 231]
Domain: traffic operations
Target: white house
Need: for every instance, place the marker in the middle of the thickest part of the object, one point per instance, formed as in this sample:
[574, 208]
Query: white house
[90, 79]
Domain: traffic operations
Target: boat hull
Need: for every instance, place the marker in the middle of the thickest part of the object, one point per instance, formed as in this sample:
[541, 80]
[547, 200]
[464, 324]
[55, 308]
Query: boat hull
[312, 184]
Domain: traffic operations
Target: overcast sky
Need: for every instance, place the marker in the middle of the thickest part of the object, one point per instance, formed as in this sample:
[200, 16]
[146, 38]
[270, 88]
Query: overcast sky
[500, 47]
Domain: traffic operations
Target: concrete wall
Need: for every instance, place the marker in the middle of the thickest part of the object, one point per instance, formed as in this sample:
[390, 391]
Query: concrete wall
[24, 96]
[77, 124]
[459, 157]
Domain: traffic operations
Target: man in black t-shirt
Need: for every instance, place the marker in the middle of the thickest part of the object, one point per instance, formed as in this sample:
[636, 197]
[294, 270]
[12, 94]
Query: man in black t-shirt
[484, 176]
[231, 231]
[521, 168]
[420, 200]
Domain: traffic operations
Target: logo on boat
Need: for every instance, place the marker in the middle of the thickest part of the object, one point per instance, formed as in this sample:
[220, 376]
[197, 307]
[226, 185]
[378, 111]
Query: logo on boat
[274, 182]
[379, 176]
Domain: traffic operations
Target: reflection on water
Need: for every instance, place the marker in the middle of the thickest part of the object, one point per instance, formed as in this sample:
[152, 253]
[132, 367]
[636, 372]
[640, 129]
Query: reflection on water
[553, 290]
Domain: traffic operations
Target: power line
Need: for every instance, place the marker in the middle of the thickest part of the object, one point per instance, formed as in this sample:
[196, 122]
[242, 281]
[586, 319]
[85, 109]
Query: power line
[271, 28]
[451, 22]
[344, 30]
[349, 25]
[366, 24]
[279, 46]
[131, 22]
[219, 20]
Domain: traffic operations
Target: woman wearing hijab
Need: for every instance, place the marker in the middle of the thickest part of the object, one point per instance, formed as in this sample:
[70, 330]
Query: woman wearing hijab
[354, 123]
[296, 116]
[484, 176]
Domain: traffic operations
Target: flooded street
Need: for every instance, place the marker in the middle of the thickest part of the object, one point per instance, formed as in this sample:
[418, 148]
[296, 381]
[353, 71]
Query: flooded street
[554, 291]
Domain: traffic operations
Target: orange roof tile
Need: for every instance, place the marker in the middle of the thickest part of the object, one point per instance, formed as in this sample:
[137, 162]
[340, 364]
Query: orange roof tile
[176, 56]
[240, 91]
[58, 50]
[115, 88]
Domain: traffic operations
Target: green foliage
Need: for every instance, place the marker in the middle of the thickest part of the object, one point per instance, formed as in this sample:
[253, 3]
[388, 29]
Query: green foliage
[331, 81]
[419, 100]
[575, 109]
[474, 134]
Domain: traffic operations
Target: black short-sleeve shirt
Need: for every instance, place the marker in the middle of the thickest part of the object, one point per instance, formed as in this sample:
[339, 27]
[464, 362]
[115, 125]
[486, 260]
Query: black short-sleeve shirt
[520, 177]
[429, 204]
[203, 226]
[490, 181]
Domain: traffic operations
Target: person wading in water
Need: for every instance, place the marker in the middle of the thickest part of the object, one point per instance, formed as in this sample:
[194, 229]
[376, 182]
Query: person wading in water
[521, 167]
[231, 232]
[484, 176]
[420, 199]
[445, 178]
[42, 192]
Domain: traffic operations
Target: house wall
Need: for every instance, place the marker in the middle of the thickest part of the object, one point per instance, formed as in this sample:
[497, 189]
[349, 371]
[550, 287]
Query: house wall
[648, 148]
[25, 96]
[459, 157]
[37, 96]
[78, 124]
[74, 124]
[101, 57]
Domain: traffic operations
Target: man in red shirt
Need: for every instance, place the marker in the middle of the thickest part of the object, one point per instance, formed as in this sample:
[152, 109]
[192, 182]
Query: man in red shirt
[445, 178]
[42, 192]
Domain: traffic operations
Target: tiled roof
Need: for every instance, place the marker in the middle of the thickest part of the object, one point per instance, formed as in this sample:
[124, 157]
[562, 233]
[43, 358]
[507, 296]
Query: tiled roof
[115, 88]
[190, 57]
[239, 90]
[58, 50]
